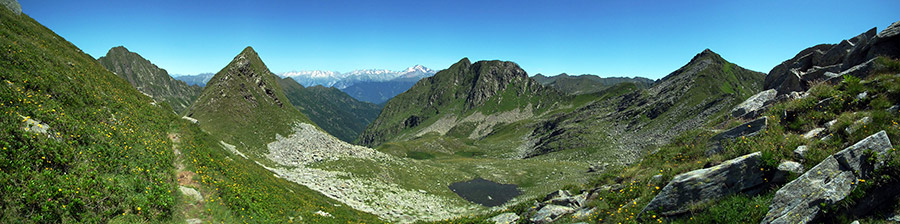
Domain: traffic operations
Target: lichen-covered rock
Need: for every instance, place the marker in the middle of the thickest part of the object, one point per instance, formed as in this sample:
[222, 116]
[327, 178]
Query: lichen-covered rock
[732, 176]
[12, 5]
[801, 200]
[550, 213]
[753, 106]
[505, 218]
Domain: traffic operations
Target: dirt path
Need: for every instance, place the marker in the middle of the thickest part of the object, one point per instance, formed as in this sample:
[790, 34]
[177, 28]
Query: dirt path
[193, 208]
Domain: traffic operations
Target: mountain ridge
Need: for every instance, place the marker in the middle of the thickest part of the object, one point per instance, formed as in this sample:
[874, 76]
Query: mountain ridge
[333, 110]
[150, 79]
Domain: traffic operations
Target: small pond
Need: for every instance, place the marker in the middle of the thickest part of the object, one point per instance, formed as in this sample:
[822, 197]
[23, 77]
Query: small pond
[485, 192]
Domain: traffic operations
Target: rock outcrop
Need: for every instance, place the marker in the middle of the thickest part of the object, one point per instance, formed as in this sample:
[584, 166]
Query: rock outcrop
[801, 200]
[12, 5]
[754, 105]
[741, 174]
[830, 61]
[505, 218]
[744, 130]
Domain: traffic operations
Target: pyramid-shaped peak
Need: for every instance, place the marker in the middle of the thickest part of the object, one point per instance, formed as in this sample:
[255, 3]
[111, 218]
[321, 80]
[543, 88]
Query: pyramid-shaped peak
[248, 51]
[707, 54]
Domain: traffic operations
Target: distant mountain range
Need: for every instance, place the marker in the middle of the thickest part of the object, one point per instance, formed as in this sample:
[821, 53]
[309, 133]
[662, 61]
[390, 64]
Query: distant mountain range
[344, 80]
[582, 84]
[370, 85]
[198, 79]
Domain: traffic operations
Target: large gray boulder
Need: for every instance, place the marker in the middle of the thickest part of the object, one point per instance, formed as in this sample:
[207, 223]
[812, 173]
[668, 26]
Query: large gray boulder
[550, 213]
[887, 42]
[744, 130]
[801, 200]
[12, 5]
[754, 105]
[733, 176]
[505, 218]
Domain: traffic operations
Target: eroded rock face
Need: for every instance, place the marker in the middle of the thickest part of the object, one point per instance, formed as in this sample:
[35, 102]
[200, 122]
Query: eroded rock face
[826, 62]
[754, 105]
[733, 176]
[801, 200]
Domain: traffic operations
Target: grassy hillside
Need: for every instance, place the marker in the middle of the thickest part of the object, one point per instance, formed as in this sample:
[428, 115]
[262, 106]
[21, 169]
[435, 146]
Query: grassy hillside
[245, 105]
[334, 111]
[79, 144]
[149, 79]
[583, 84]
[788, 121]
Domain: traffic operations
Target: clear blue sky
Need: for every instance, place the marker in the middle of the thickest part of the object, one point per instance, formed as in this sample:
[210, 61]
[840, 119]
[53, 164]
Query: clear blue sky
[607, 38]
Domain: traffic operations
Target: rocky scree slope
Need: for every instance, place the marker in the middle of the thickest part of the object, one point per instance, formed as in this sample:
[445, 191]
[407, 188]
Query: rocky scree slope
[245, 105]
[486, 87]
[335, 111]
[150, 79]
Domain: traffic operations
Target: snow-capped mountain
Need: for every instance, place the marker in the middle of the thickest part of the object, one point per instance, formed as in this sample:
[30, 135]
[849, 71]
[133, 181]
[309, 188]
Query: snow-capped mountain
[312, 78]
[344, 80]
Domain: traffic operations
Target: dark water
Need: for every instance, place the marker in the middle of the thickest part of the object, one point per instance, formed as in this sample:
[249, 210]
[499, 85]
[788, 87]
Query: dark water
[485, 192]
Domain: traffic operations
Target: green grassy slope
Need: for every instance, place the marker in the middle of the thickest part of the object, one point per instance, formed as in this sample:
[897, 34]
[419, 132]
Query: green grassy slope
[333, 110]
[107, 155]
[788, 120]
[104, 155]
[245, 105]
[149, 79]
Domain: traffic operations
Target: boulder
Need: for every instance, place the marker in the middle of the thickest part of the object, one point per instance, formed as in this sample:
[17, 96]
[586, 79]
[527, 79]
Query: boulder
[814, 133]
[550, 213]
[733, 176]
[754, 105]
[830, 124]
[860, 70]
[505, 218]
[800, 152]
[861, 123]
[861, 47]
[801, 200]
[12, 5]
[744, 130]
[790, 167]
[834, 55]
[887, 42]
[584, 213]
[787, 168]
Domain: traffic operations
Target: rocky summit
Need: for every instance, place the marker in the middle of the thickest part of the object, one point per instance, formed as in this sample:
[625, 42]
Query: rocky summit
[150, 79]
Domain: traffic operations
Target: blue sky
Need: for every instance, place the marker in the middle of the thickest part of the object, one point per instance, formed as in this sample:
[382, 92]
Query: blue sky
[607, 38]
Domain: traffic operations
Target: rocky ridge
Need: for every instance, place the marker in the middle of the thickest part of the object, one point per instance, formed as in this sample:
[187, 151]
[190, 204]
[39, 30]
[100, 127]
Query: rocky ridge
[150, 79]
[829, 62]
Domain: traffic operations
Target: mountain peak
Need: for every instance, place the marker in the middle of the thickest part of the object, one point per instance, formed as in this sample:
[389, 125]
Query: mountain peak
[707, 54]
[248, 51]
